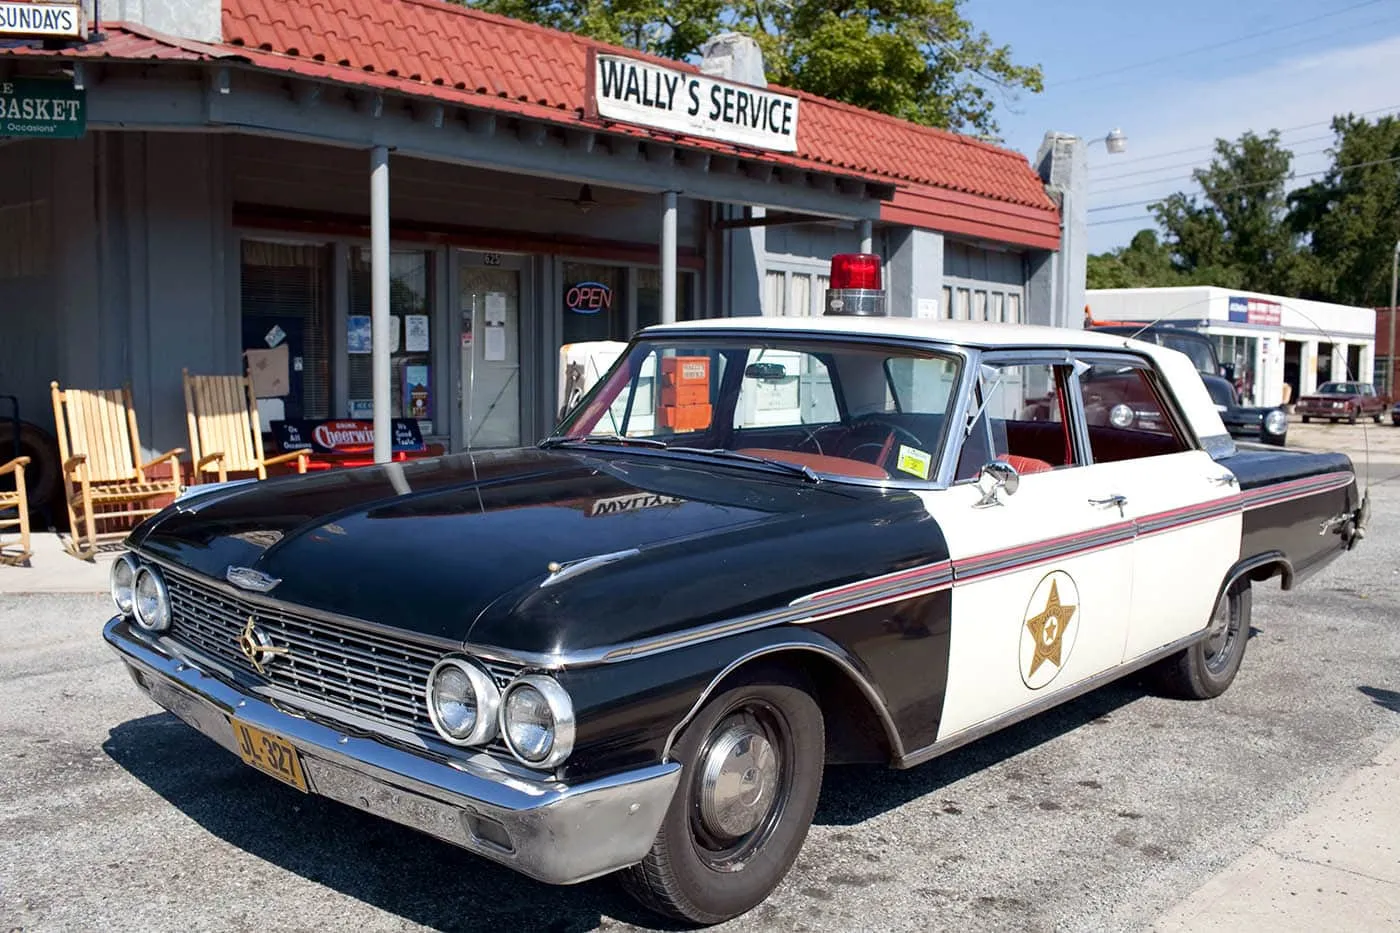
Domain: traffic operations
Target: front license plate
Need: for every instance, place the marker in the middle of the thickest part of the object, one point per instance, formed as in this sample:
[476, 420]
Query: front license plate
[269, 754]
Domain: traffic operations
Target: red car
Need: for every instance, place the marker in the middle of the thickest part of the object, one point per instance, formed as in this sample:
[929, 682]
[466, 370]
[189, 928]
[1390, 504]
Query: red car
[1349, 400]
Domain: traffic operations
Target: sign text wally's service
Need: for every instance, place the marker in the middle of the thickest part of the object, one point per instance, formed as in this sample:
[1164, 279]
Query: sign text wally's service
[632, 91]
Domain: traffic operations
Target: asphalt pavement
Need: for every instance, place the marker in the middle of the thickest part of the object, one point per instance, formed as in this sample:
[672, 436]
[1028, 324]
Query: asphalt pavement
[1109, 813]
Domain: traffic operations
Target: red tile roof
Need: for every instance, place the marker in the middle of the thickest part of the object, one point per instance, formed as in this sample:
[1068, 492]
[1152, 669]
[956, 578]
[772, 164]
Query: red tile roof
[469, 58]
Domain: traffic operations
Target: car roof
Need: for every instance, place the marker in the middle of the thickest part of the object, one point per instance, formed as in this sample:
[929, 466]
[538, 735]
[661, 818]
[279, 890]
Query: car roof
[978, 334]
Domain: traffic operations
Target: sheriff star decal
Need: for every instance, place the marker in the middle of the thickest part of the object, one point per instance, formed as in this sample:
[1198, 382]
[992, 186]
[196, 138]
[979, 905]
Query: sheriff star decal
[1050, 629]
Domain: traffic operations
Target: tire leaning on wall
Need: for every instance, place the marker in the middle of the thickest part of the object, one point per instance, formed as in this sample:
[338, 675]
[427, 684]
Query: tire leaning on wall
[42, 477]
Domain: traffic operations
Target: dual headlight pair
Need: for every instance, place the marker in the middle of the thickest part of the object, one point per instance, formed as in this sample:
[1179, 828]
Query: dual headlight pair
[533, 715]
[140, 592]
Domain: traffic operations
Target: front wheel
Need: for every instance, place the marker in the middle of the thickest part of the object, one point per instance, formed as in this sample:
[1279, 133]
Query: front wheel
[753, 760]
[1207, 668]
[1306, 419]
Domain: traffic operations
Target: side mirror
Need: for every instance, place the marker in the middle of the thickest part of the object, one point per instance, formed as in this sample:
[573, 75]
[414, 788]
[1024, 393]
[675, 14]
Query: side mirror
[996, 475]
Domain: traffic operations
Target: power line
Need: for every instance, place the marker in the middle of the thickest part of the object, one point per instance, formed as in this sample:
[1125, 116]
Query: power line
[1248, 185]
[1136, 160]
[1174, 178]
[1193, 164]
[1214, 45]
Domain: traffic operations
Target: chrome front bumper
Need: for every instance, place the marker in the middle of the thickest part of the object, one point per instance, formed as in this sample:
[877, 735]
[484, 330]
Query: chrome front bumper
[550, 831]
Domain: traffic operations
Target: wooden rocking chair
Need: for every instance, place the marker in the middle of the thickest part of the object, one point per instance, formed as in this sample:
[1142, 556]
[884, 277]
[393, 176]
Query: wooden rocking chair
[225, 432]
[103, 476]
[15, 499]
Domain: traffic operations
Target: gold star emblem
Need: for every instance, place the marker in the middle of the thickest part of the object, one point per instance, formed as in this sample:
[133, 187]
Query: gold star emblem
[1049, 630]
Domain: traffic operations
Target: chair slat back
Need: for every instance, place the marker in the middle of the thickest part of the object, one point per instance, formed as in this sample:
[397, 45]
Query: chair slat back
[98, 423]
[223, 420]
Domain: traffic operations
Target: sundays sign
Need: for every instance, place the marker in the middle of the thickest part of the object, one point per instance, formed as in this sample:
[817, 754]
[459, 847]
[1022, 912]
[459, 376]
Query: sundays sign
[633, 91]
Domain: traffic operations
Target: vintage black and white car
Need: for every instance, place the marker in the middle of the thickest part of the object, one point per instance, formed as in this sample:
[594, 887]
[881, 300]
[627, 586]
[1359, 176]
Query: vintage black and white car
[755, 546]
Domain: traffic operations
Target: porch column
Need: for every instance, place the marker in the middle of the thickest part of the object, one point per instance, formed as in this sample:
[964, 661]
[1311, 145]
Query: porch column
[668, 257]
[379, 298]
[867, 237]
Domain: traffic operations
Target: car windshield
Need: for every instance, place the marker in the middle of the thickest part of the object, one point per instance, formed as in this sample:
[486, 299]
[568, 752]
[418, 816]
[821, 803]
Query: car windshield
[810, 406]
[1198, 350]
[1220, 392]
[1339, 388]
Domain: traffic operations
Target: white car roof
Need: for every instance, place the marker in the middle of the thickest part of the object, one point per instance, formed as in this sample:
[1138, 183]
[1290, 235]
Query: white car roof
[1178, 368]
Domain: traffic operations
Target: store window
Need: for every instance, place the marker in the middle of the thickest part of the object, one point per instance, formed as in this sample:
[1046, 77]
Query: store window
[794, 293]
[594, 302]
[649, 297]
[1239, 352]
[285, 303]
[410, 336]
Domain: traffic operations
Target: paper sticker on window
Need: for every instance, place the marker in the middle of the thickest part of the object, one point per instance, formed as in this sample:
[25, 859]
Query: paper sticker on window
[915, 461]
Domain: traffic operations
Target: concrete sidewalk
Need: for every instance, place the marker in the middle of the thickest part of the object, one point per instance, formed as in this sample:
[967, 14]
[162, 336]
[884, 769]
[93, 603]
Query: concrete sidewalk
[53, 570]
[1335, 867]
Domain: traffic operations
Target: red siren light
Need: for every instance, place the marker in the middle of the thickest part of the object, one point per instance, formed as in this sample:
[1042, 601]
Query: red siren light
[855, 287]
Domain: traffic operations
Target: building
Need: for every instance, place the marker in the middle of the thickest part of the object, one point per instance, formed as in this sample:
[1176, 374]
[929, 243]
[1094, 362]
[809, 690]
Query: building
[1280, 347]
[194, 179]
[1387, 366]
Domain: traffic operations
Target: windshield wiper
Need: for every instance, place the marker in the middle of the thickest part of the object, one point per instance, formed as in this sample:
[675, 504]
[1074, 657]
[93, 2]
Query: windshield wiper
[603, 439]
[798, 469]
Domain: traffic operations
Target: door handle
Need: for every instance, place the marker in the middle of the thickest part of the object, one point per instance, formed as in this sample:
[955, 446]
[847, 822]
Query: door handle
[1115, 499]
[1226, 479]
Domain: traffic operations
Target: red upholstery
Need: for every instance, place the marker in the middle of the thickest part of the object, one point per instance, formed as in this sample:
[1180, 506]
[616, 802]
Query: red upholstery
[841, 466]
[1025, 464]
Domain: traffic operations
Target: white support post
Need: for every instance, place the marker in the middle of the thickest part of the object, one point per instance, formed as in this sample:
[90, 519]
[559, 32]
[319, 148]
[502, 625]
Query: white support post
[379, 299]
[668, 257]
[867, 237]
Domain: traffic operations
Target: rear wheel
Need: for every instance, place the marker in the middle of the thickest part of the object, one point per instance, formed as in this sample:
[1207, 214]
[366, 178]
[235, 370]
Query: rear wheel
[1306, 419]
[753, 760]
[1207, 668]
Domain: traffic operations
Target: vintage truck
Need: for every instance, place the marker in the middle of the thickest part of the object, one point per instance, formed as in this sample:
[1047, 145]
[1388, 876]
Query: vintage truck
[634, 647]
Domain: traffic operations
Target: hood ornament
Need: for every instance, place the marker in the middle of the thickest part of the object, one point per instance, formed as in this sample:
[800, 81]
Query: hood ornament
[247, 578]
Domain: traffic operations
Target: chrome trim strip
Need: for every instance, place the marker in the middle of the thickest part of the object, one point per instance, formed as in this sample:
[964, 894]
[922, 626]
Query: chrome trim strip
[557, 833]
[565, 571]
[1296, 489]
[866, 687]
[1041, 704]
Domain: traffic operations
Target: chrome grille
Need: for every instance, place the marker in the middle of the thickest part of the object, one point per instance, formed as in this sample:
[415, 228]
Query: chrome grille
[372, 676]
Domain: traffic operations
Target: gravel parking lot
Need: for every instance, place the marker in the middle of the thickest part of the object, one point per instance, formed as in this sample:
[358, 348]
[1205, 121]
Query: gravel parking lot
[1095, 816]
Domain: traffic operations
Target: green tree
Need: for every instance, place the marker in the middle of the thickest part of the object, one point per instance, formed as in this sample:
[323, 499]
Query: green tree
[1236, 234]
[1145, 262]
[1351, 216]
[921, 60]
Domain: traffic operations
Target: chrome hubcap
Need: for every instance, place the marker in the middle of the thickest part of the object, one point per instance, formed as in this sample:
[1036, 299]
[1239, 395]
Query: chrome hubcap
[739, 780]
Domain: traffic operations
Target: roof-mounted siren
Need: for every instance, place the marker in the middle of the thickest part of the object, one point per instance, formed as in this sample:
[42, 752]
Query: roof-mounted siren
[855, 289]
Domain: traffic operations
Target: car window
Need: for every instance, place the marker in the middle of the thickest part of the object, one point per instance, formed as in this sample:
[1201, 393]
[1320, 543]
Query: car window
[1019, 418]
[1126, 415]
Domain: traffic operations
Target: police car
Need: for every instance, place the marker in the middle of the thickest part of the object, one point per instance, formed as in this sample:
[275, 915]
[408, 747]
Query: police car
[752, 547]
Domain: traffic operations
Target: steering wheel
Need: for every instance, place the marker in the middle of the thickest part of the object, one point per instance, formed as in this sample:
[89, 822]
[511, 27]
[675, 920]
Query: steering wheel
[862, 422]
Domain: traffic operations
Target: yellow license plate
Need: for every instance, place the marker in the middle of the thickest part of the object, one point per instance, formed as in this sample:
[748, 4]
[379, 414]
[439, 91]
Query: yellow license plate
[269, 754]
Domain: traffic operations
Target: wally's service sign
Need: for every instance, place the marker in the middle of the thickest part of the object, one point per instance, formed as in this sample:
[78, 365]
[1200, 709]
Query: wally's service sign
[633, 91]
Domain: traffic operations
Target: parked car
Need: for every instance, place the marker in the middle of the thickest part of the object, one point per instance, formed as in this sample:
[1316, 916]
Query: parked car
[1264, 423]
[1343, 400]
[1395, 414]
[635, 646]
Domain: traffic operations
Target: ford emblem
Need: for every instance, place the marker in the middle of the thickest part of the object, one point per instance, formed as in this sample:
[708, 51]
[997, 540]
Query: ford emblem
[249, 579]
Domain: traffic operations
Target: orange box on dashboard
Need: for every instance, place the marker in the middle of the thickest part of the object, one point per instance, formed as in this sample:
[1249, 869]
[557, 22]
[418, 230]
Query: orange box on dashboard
[685, 417]
[687, 394]
[685, 370]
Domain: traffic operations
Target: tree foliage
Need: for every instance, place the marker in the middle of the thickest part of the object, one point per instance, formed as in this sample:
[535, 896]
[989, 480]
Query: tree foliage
[921, 60]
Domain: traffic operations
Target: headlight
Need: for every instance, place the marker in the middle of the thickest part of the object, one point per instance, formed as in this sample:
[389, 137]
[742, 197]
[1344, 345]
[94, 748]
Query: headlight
[462, 702]
[1120, 416]
[122, 581]
[151, 601]
[537, 719]
[1276, 421]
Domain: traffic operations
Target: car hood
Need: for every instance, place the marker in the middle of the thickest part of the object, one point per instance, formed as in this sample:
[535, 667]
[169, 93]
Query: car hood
[430, 546]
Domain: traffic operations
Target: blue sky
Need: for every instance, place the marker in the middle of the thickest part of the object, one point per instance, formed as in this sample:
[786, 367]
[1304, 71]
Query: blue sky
[1143, 67]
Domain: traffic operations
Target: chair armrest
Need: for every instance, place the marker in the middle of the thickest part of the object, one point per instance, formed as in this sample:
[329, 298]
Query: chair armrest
[76, 460]
[283, 458]
[168, 455]
[209, 459]
[13, 465]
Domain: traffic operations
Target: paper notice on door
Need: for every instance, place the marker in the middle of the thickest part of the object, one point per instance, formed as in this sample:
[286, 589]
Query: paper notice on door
[269, 371]
[495, 307]
[415, 333]
[494, 346]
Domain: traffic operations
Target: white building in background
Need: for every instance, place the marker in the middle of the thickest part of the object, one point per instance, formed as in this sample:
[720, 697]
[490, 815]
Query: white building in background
[1280, 347]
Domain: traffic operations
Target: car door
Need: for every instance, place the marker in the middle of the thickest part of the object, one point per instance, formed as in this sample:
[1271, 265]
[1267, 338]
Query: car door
[1184, 506]
[1043, 575]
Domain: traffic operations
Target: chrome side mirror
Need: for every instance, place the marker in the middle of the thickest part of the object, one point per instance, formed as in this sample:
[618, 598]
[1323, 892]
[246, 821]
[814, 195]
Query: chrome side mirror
[994, 476]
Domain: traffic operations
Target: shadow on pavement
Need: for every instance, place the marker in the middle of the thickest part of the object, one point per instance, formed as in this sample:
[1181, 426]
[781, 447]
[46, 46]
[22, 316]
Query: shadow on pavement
[394, 868]
[1389, 699]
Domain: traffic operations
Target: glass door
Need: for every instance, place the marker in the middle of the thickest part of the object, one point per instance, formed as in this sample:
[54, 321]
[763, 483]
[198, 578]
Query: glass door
[488, 386]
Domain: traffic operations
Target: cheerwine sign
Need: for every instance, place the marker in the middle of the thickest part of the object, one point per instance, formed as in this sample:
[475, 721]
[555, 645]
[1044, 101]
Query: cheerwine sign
[633, 91]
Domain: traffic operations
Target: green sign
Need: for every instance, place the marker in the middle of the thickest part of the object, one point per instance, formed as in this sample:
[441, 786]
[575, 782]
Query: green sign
[45, 107]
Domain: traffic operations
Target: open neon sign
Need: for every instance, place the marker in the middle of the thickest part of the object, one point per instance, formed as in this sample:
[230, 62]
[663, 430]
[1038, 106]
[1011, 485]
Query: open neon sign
[588, 298]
